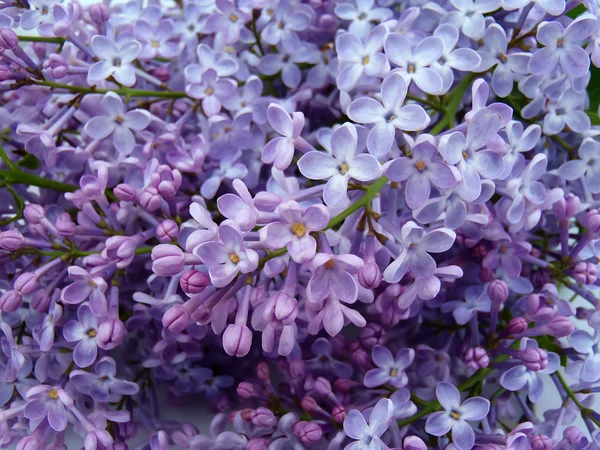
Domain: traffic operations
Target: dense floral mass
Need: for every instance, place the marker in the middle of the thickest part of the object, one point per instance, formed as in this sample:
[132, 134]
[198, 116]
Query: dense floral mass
[326, 224]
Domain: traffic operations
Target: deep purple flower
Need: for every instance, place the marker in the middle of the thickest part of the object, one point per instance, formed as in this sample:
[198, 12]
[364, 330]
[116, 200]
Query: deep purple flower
[103, 385]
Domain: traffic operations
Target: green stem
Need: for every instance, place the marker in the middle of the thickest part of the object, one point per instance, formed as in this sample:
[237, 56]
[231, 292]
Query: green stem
[4, 157]
[425, 102]
[17, 176]
[453, 104]
[47, 40]
[120, 91]
[585, 412]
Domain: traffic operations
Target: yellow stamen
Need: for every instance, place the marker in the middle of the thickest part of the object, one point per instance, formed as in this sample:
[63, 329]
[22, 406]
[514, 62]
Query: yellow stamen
[53, 394]
[393, 373]
[410, 68]
[420, 166]
[299, 229]
[92, 333]
[234, 18]
[366, 60]
[344, 168]
[234, 258]
[329, 264]
[455, 415]
[209, 91]
[155, 44]
[119, 120]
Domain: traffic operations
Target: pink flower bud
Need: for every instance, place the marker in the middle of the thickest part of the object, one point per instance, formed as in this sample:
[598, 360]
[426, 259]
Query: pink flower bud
[561, 326]
[26, 283]
[10, 301]
[262, 371]
[343, 384]
[413, 443]
[497, 292]
[34, 213]
[566, 207]
[257, 444]
[322, 386]
[237, 340]
[11, 240]
[534, 359]
[297, 369]
[150, 199]
[361, 358]
[572, 434]
[246, 390]
[285, 308]
[8, 39]
[309, 404]
[111, 333]
[99, 14]
[541, 442]
[65, 225]
[369, 276]
[167, 231]
[246, 414]
[477, 358]
[264, 418]
[5, 73]
[167, 260]
[40, 301]
[585, 273]
[28, 443]
[125, 192]
[592, 221]
[193, 282]
[309, 432]
[371, 335]
[517, 325]
[338, 413]
[176, 319]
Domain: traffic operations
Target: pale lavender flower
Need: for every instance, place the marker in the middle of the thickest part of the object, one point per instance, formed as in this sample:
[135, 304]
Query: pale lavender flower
[424, 168]
[228, 257]
[156, 40]
[290, 52]
[220, 62]
[455, 416]
[115, 61]
[84, 331]
[362, 14]
[588, 345]
[280, 150]
[356, 58]
[102, 385]
[390, 370]
[48, 402]
[476, 301]
[119, 122]
[552, 7]
[334, 274]
[389, 116]
[567, 110]
[587, 168]
[414, 253]
[229, 22]
[208, 87]
[469, 17]
[413, 65]
[288, 19]
[527, 188]
[230, 167]
[560, 46]
[43, 333]
[368, 435]
[295, 231]
[519, 141]
[340, 167]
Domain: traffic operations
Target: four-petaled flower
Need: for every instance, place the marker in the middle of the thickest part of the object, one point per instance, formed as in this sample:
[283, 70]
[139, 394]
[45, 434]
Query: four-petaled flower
[390, 369]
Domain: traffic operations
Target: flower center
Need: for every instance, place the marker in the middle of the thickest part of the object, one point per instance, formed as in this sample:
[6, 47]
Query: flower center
[155, 44]
[502, 57]
[92, 333]
[410, 68]
[329, 264]
[344, 168]
[559, 43]
[393, 373]
[366, 60]
[93, 284]
[119, 120]
[234, 18]
[363, 16]
[455, 415]
[299, 229]
[53, 394]
[234, 258]
[209, 91]
[465, 155]
[420, 165]
[117, 62]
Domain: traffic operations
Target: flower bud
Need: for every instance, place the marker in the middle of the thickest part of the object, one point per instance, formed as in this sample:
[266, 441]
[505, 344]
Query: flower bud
[5, 73]
[127, 430]
[566, 207]
[343, 384]
[371, 335]
[322, 386]
[585, 273]
[150, 199]
[477, 358]
[517, 325]
[193, 282]
[369, 276]
[297, 369]
[285, 308]
[237, 340]
[99, 14]
[309, 432]
[245, 390]
[167, 260]
[498, 292]
[111, 333]
[176, 319]
[338, 413]
[262, 371]
[40, 301]
[592, 221]
[309, 404]
[561, 326]
[11, 240]
[10, 301]
[162, 73]
[264, 418]
[167, 231]
[534, 359]
[572, 434]
[125, 192]
[246, 414]
[26, 283]
[541, 442]
[28, 443]
[413, 443]
[361, 358]
[538, 309]
[65, 225]
[8, 39]
[257, 444]
[34, 213]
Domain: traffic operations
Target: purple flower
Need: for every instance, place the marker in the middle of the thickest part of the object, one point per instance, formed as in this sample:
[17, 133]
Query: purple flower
[334, 274]
[285, 22]
[209, 384]
[391, 370]
[290, 52]
[102, 385]
[280, 150]
[469, 17]
[228, 257]
[527, 188]
[389, 116]
[340, 167]
[222, 63]
[118, 122]
[414, 253]
[455, 416]
[560, 46]
[43, 333]
[368, 435]
[83, 331]
[295, 231]
[588, 167]
[156, 40]
[362, 15]
[356, 58]
[48, 402]
[208, 87]
[424, 168]
[413, 65]
[588, 345]
[228, 22]
[324, 363]
[476, 300]
[115, 61]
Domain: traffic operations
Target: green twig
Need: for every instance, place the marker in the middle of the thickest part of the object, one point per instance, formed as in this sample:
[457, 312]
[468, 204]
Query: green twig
[455, 97]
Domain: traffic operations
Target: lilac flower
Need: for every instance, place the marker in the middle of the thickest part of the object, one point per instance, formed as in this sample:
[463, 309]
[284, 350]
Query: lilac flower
[469, 17]
[587, 344]
[156, 41]
[230, 167]
[323, 361]
[368, 435]
[280, 151]
[208, 87]
[102, 386]
[209, 384]
[527, 188]
[287, 20]
[115, 61]
[414, 254]
[391, 370]
[560, 48]
[356, 58]
[455, 416]
[228, 257]
[552, 7]
[423, 169]
[340, 167]
[389, 116]
[519, 141]
[84, 331]
[566, 110]
[48, 402]
[588, 167]
[118, 122]
[295, 231]
[333, 274]
[221, 63]
[362, 15]
[290, 53]
[476, 301]
[228, 22]
[414, 65]
[43, 333]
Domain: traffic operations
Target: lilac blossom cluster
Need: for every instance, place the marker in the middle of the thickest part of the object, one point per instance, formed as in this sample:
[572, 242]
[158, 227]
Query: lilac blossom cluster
[331, 224]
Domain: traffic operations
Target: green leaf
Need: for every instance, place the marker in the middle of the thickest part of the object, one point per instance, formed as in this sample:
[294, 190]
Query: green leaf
[29, 161]
[577, 11]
